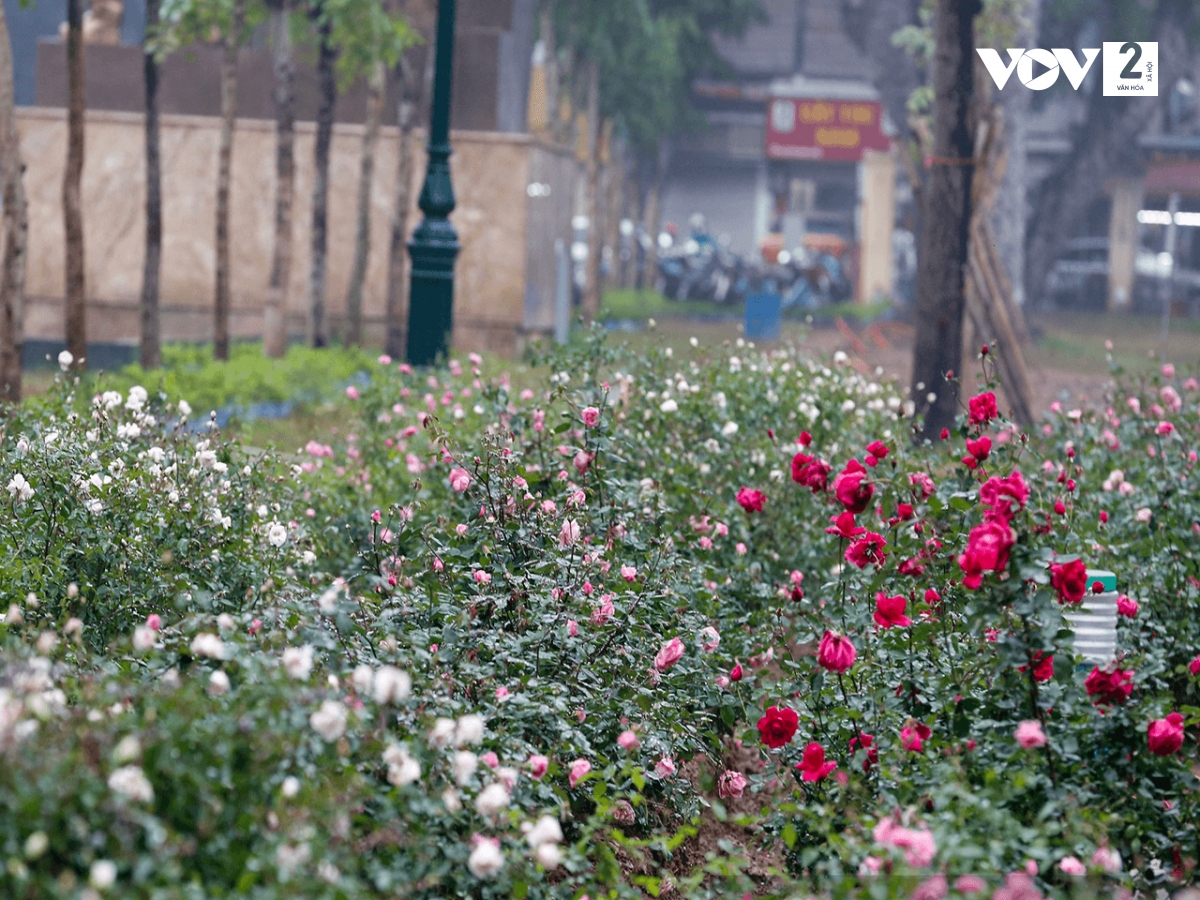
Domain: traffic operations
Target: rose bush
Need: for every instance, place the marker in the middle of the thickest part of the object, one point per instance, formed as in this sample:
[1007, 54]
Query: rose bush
[720, 625]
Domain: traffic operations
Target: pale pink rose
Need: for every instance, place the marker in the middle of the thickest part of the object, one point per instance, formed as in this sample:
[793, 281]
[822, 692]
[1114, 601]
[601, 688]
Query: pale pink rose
[489, 759]
[502, 693]
[1029, 734]
[482, 577]
[538, 765]
[629, 573]
[579, 771]
[569, 533]
[1107, 859]
[710, 639]
[591, 417]
[671, 653]
[665, 767]
[460, 479]
[627, 740]
[352, 392]
[1072, 866]
[731, 784]
[154, 622]
[572, 628]
[740, 548]
[969, 884]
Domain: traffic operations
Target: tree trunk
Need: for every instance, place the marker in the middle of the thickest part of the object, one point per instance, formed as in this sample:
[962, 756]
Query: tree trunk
[16, 226]
[362, 229]
[396, 338]
[591, 295]
[75, 300]
[317, 331]
[275, 309]
[150, 345]
[653, 207]
[550, 42]
[224, 165]
[945, 226]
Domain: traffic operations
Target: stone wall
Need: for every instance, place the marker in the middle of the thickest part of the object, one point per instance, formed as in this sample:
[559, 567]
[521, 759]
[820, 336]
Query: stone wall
[499, 291]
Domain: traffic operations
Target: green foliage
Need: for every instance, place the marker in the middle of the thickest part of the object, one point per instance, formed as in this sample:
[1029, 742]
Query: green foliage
[190, 373]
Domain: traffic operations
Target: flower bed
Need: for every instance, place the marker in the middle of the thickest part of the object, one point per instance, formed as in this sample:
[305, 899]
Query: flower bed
[657, 627]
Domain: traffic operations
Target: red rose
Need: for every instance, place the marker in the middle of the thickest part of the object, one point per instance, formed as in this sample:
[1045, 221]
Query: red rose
[813, 766]
[866, 741]
[853, 490]
[836, 652]
[889, 611]
[878, 449]
[913, 737]
[980, 448]
[1165, 736]
[999, 493]
[1070, 580]
[843, 526]
[1109, 687]
[988, 546]
[1043, 666]
[867, 549]
[981, 409]
[778, 726]
[751, 500]
[811, 472]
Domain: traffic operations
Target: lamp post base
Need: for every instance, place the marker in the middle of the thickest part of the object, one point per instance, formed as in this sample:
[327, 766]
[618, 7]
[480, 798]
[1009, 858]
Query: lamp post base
[434, 249]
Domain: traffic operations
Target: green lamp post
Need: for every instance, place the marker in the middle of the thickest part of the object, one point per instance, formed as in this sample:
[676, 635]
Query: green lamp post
[434, 246]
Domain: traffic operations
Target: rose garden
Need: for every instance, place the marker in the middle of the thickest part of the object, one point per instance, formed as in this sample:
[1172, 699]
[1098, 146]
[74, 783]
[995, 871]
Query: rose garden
[644, 625]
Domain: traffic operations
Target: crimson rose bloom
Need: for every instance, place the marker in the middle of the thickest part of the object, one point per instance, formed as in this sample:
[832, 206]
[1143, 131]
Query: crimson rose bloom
[979, 449]
[1109, 687]
[878, 449]
[867, 549]
[982, 408]
[813, 766]
[998, 493]
[913, 737]
[1070, 580]
[843, 525]
[836, 652]
[1043, 666]
[811, 472]
[778, 726]
[867, 741]
[889, 611]
[1165, 736]
[988, 546]
[852, 488]
[751, 500]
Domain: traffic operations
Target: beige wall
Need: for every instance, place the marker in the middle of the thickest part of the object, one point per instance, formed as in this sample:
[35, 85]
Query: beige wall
[490, 178]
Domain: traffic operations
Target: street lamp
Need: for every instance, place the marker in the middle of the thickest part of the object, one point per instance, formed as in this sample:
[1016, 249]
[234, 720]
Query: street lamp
[434, 246]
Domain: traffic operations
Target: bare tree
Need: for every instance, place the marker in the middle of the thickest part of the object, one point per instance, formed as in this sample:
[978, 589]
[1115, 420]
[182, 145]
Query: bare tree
[229, 59]
[275, 309]
[75, 298]
[150, 346]
[362, 231]
[326, 57]
[946, 219]
[16, 227]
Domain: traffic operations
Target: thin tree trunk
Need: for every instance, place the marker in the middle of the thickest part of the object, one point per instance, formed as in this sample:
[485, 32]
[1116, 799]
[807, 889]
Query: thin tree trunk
[75, 300]
[362, 230]
[549, 41]
[224, 167]
[653, 220]
[947, 217]
[275, 309]
[396, 338]
[16, 226]
[317, 332]
[150, 346]
[591, 295]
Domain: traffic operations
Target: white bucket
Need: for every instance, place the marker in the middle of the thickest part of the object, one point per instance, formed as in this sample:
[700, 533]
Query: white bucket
[1094, 622]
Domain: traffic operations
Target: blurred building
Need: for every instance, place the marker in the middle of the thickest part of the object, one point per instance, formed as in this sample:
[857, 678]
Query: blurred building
[506, 273]
[797, 145]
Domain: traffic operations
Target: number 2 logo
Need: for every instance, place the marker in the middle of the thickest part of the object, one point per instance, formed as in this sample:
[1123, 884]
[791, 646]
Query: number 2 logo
[1129, 71]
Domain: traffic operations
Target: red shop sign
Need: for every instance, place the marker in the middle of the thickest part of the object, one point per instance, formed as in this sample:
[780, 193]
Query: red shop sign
[824, 129]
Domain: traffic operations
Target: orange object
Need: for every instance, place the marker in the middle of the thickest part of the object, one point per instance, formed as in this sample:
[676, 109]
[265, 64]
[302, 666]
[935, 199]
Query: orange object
[823, 242]
[771, 247]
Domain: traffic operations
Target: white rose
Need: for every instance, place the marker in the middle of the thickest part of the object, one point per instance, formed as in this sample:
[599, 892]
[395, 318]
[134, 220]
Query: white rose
[485, 860]
[103, 874]
[464, 765]
[131, 782]
[545, 831]
[391, 685]
[218, 683]
[469, 730]
[209, 645]
[491, 800]
[276, 534]
[442, 732]
[329, 721]
[298, 662]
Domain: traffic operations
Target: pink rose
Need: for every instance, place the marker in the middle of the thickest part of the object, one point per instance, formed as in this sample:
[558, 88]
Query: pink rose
[665, 767]
[460, 480]
[154, 622]
[853, 491]
[751, 500]
[579, 771]
[671, 653]
[1029, 734]
[538, 765]
[969, 884]
[1165, 736]
[629, 573]
[1072, 866]
[1194, 666]
[836, 652]
[731, 784]
[627, 740]
[710, 639]
[1127, 606]
[591, 417]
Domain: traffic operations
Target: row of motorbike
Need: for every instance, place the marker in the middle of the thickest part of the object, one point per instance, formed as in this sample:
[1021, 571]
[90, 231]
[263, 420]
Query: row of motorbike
[701, 269]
